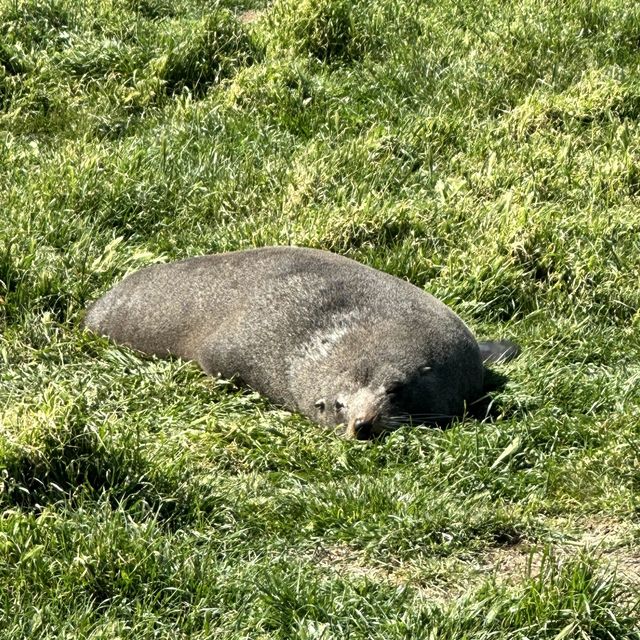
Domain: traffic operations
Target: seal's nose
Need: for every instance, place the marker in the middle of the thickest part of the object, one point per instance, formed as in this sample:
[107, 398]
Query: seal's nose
[363, 429]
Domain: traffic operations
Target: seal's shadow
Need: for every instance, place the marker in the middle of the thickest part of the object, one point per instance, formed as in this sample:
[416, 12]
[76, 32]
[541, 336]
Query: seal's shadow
[487, 407]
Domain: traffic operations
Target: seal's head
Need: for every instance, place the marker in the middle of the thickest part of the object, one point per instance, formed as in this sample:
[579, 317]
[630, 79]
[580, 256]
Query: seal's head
[367, 409]
[372, 379]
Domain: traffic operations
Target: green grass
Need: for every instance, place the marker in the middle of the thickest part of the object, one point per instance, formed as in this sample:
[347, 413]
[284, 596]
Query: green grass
[488, 152]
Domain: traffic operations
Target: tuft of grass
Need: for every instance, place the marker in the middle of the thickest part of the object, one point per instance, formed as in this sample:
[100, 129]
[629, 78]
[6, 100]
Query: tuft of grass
[336, 31]
[203, 53]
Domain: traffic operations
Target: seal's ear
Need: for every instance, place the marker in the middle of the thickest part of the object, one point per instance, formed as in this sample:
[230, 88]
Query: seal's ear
[498, 351]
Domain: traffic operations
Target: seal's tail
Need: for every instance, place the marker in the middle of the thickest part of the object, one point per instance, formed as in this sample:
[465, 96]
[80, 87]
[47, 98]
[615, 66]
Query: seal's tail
[498, 351]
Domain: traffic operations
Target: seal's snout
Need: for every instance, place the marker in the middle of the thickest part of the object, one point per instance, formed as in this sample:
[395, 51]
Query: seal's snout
[364, 411]
[363, 429]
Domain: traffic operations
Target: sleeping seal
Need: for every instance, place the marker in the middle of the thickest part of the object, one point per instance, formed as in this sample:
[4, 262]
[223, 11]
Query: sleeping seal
[316, 332]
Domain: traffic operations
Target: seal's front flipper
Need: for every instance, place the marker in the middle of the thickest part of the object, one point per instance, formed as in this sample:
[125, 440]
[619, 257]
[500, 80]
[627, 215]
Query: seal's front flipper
[498, 351]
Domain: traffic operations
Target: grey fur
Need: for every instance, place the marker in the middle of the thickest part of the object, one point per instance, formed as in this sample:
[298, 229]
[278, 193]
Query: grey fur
[311, 330]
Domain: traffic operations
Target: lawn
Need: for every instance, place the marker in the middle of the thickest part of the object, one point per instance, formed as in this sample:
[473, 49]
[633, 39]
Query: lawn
[488, 152]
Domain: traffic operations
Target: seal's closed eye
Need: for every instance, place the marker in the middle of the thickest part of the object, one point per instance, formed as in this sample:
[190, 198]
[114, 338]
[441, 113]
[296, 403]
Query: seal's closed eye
[394, 387]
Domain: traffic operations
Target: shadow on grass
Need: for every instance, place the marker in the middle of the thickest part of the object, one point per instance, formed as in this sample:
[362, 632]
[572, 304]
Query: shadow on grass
[74, 475]
[71, 462]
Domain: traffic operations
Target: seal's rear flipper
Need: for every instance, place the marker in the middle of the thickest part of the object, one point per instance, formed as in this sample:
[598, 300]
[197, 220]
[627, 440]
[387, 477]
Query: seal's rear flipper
[498, 351]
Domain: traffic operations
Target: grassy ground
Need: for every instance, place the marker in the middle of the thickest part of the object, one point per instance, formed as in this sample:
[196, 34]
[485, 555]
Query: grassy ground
[487, 151]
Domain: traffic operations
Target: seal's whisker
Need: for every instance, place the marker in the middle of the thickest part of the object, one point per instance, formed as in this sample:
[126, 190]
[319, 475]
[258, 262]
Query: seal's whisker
[396, 423]
[423, 416]
[393, 427]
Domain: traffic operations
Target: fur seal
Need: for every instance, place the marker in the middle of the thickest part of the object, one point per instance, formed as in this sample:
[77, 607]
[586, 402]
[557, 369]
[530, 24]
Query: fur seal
[318, 333]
